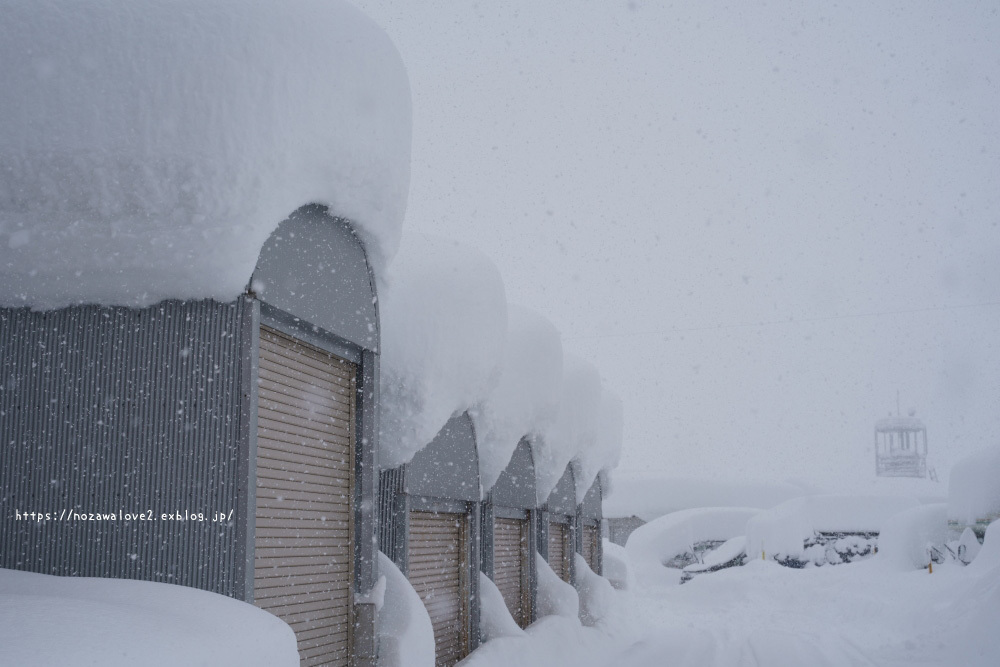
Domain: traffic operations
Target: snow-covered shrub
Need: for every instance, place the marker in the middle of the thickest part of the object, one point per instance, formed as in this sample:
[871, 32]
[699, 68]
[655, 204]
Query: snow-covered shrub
[596, 593]
[988, 558]
[405, 633]
[907, 540]
[117, 622]
[617, 567]
[494, 617]
[555, 596]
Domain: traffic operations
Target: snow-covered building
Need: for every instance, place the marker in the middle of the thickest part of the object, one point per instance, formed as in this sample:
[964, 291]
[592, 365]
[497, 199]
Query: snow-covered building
[191, 221]
[900, 447]
[430, 527]
[509, 540]
[557, 527]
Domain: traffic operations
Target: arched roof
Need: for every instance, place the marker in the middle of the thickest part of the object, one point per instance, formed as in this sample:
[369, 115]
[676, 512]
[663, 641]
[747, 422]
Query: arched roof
[590, 508]
[448, 467]
[516, 485]
[562, 500]
[314, 267]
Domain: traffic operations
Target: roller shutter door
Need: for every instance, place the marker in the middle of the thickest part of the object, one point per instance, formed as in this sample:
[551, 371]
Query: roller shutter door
[436, 568]
[559, 549]
[303, 541]
[510, 566]
[591, 545]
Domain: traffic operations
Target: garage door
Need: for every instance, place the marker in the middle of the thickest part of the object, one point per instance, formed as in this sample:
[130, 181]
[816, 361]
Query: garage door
[303, 540]
[510, 566]
[591, 544]
[559, 549]
[436, 569]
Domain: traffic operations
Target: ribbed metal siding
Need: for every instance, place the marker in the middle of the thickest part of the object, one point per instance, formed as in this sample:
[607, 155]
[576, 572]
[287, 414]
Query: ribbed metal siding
[111, 410]
[510, 567]
[591, 540]
[390, 486]
[560, 549]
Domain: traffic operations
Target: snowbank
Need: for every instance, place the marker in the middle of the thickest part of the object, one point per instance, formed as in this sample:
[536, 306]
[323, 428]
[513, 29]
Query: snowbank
[47, 620]
[595, 592]
[405, 633]
[576, 428]
[907, 537]
[652, 497]
[655, 543]
[495, 620]
[604, 451]
[526, 397]
[148, 149]
[555, 596]
[444, 322]
[617, 566]
[974, 489]
[785, 528]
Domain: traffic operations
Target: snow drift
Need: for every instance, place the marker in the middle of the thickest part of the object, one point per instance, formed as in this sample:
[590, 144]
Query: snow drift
[47, 620]
[907, 537]
[149, 148]
[495, 620]
[974, 489]
[444, 323]
[555, 596]
[405, 633]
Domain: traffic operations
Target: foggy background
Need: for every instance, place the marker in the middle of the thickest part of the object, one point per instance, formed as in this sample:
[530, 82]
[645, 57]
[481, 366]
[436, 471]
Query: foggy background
[757, 222]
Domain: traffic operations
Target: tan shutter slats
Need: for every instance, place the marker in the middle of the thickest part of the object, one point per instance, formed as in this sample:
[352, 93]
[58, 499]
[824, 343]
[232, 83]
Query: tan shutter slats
[436, 559]
[303, 542]
[591, 540]
[510, 566]
[559, 549]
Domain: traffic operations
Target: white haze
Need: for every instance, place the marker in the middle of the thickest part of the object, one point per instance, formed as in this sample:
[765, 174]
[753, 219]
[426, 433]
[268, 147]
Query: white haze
[757, 222]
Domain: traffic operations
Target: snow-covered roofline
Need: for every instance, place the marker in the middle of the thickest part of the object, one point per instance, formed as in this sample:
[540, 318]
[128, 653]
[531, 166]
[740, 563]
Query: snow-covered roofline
[149, 148]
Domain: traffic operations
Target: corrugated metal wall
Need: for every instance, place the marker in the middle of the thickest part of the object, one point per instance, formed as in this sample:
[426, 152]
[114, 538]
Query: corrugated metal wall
[111, 410]
[391, 514]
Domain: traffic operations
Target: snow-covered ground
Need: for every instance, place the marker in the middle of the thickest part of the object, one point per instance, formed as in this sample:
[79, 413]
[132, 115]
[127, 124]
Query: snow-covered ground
[880, 611]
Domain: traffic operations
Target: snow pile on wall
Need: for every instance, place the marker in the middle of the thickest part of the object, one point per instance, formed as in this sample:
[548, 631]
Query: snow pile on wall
[596, 593]
[653, 544]
[603, 452]
[526, 397]
[576, 428]
[148, 151]
[906, 537]
[652, 497]
[974, 488]
[617, 566]
[495, 620]
[555, 596]
[444, 322]
[47, 620]
[988, 558]
[783, 530]
[405, 633]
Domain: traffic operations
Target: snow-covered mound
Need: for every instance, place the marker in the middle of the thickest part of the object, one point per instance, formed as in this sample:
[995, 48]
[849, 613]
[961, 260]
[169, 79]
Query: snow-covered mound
[526, 397]
[650, 497]
[974, 490]
[783, 530]
[577, 427]
[653, 545]
[444, 323]
[908, 538]
[406, 636]
[148, 148]
[47, 620]
[495, 620]
[596, 593]
[555, 596]
[617, 566]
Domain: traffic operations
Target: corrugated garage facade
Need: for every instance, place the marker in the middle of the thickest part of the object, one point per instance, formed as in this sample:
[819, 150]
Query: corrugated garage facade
[509, 541]
[557, 527]
[233, 430]
[430, 513]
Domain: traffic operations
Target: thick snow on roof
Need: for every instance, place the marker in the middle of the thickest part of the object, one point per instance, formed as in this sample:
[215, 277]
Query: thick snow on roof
[148, 148]
[576, 428]
[527, 395]
[974, 488]
[444, 324]
[604, 451]
[47, 620]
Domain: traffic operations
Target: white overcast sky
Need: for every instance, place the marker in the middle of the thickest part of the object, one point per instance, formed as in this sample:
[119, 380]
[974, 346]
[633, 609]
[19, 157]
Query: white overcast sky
[758, 220]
